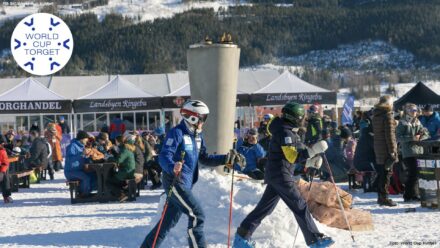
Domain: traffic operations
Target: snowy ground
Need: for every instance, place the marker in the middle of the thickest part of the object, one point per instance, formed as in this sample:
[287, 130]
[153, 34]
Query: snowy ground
[43, 217]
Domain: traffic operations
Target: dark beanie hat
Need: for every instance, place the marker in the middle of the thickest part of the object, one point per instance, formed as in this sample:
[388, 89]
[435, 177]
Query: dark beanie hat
[345, 133]
[427, 107]
[82, 135]
[252, 131]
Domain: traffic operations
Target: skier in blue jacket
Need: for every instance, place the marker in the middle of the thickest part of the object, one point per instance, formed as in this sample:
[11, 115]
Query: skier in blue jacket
[186, 137]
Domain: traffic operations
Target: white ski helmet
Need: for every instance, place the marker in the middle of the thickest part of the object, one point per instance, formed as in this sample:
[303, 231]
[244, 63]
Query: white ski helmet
[194, 111]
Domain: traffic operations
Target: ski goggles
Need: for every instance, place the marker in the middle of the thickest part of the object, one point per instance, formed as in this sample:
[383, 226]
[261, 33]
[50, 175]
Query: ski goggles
[193, 117]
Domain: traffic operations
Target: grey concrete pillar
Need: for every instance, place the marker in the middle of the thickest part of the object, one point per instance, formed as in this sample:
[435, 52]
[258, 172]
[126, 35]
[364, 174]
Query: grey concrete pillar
[213, 75]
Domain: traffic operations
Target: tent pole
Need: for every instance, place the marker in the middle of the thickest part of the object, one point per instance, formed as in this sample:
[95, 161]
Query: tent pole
[72, 128]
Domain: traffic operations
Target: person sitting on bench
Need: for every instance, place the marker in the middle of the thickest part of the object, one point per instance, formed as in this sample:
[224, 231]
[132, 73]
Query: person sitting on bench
[125, 168]
[139, 158]
[103, 144]
[74, 164]
[152, 169]
[4, 177]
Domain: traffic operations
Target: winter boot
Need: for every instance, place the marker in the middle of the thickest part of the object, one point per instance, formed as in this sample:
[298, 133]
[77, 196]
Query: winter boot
[386, 202]
[7, 199]
[240, 242]
[411, 199]
[322, 242]
[156, 185]
[123, 198]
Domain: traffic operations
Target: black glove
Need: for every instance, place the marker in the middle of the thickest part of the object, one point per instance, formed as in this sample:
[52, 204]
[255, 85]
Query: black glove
[241, 161]
[233, 157]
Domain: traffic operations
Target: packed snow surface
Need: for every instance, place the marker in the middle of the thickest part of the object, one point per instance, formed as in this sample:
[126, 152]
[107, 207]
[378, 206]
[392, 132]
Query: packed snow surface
[42, 216]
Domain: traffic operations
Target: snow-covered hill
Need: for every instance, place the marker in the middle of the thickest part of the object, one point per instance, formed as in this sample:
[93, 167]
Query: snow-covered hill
[401, 89]
[138, 10]
[361, 56]
[43, 217]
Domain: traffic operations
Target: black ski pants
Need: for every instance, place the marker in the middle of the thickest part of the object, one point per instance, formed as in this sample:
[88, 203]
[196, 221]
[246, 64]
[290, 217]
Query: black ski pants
[412, 179]
[288, 192]
[5, 184]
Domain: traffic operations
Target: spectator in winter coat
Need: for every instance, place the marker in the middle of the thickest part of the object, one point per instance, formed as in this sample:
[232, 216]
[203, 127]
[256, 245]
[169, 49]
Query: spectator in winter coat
[314, 126]
[151, 160]
[431, 121]
[117, 128]
[385, 146]
[64, 126]
[408, 132]
[159, 134]
[53, 135]
[103, 144]
[364, 157]
[4, 176]
[9, 141]
[75, 161]
[253, 152]
[356, 120]
[335, 138]
[35, 127]
[91, 152]
[39, 151]
[349, 146]
[126, 166]
[139, 157]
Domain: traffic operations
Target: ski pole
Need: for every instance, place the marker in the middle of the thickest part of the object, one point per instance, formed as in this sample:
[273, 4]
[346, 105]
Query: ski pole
[231, 196]
[308, 196]
[337, 194]
[165, 207]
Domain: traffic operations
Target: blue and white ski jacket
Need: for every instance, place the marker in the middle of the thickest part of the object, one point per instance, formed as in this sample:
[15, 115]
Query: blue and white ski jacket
[180, 139]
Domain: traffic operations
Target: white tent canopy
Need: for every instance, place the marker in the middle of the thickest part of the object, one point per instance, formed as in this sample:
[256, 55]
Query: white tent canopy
[117, 88]
[289, 83]
[182, 91]
[186, 91]
[30, 90]
[288, 87]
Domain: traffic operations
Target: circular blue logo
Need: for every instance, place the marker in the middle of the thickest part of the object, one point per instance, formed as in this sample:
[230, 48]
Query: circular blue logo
[42, 44]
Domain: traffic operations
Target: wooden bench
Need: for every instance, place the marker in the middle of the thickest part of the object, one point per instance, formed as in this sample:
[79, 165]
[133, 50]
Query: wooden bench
[133, 192]
[20, 180]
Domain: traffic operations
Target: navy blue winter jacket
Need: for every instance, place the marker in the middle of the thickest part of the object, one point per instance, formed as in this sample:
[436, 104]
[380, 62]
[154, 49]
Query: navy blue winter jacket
[178, 139]
[432, 123]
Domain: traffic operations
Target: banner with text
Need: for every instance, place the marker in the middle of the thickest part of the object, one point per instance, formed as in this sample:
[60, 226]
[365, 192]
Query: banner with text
[30, 107]
[123, 104]
[302, 98]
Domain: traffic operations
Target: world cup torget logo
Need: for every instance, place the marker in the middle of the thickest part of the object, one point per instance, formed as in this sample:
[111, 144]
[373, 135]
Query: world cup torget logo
[42, 44]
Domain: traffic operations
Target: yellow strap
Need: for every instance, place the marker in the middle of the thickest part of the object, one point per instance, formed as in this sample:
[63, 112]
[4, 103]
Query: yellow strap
[290, 153]
[314, 132]
[267, 126]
